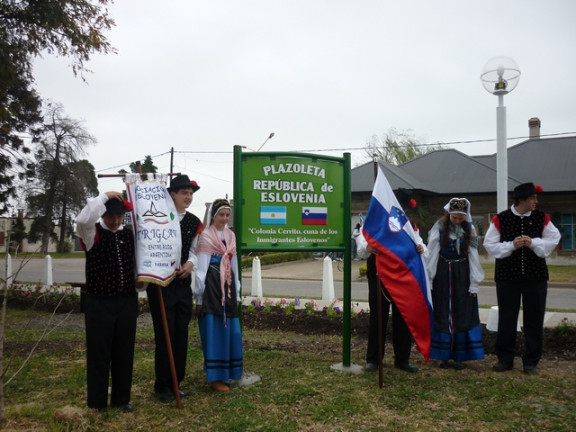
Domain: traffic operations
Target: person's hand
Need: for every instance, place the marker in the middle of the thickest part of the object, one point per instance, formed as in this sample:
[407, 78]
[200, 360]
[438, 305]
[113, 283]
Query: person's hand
[372, 250]
[521, 241]
[420, 249]
[186, 270]
[114, 194]
[198, 310]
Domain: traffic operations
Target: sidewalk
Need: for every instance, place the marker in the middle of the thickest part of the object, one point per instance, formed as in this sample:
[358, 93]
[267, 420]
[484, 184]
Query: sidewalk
[311, 270]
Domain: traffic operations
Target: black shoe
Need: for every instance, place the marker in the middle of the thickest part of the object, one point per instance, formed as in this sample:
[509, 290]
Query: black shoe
[371, 367]
[444, 365]
[128, 408]
[458, 365]
[530, 370]
[502, 367]
[407, 367]
[182, 394]
[166, 396]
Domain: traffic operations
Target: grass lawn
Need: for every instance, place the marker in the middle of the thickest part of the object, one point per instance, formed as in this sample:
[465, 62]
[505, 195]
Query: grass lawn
[298, 390]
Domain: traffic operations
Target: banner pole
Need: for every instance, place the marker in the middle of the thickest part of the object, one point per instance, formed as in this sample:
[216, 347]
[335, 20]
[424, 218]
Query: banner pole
[175, 387]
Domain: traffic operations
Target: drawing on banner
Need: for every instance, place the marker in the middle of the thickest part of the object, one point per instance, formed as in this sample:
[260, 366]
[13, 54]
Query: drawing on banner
[273, 215]
[152, 215]
[314, 215]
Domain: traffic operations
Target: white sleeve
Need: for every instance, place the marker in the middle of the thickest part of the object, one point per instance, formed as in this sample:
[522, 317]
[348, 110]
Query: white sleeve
[234, 265]
[544, 246]
[192, 252]
[433, 251]
[86, 220]
[362, 244]
[476, 270]
[201, 270]
[419, 240]
[494, 246]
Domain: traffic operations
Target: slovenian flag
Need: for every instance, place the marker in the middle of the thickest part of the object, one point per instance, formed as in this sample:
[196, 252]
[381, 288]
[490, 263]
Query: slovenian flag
[273, 215]
[400, 267]
[314, 215]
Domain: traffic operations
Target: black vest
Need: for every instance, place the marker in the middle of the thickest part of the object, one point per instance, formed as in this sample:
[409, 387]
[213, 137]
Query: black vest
[189, 226]
[110, 263]
[523, 264]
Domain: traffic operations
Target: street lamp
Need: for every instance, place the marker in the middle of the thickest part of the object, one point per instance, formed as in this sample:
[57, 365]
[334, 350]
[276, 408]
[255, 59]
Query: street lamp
[500, 76]
[269, 138]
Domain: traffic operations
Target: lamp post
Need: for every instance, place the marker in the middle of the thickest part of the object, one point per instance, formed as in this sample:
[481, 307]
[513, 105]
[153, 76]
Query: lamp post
[500, 76]
[269, 138]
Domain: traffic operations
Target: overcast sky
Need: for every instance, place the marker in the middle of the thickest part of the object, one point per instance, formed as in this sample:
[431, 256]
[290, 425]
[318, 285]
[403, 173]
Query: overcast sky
[203, 76]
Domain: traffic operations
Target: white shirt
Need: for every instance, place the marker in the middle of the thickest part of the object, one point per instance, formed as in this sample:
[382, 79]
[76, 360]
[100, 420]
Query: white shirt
[542, 247]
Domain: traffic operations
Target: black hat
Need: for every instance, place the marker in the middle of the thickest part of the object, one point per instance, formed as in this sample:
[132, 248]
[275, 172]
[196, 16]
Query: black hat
[181, 182]
[115, 206]
[404, 197]
[525, 190]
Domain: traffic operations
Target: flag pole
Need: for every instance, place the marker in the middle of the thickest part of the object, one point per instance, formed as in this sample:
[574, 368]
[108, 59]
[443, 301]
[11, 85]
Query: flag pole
[379, 300]
[175, 386]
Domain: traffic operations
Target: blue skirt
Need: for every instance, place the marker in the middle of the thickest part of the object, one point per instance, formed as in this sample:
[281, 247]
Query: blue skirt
[462, 346]
[222, 348]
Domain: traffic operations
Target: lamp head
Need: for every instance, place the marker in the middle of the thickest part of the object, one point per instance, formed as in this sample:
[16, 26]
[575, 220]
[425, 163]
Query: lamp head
[500, 75]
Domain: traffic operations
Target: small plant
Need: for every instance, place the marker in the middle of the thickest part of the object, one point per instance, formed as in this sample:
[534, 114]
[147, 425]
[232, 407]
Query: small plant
[333, 311]
[566, 326]
[311, 307]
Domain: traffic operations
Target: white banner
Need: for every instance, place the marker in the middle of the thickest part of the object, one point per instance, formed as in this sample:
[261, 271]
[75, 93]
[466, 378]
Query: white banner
[156, 229]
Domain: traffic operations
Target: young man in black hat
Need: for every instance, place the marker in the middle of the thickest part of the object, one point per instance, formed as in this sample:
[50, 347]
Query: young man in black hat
[111, 307]
[520, 239]
[401, 336]
[177, 295]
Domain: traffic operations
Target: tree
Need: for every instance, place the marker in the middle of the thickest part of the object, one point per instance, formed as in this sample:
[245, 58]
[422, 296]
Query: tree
[396, 147]
[147, 167]
[29, 28]
[17, 235]
[69, 28]
[63, 181]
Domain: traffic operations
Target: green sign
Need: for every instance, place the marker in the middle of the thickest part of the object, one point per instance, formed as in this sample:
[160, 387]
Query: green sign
[292, 201]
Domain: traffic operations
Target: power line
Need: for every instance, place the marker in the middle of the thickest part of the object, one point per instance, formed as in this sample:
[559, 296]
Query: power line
[347, 148]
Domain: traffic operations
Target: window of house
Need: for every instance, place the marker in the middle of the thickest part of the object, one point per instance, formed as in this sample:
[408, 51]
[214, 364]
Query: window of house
[566, 224]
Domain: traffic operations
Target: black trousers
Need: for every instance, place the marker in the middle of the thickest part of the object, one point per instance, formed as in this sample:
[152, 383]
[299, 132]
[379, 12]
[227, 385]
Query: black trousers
[533, 296]
[401, 336]
[110, 337]
[178, 306]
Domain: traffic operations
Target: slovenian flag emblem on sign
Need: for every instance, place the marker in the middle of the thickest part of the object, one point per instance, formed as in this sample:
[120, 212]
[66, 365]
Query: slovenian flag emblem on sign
[314, 215]
[398, 263]
[273, 215]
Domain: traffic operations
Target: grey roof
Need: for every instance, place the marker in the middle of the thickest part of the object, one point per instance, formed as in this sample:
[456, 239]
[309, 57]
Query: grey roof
[546, 162]
[362, 177]
[550, 163]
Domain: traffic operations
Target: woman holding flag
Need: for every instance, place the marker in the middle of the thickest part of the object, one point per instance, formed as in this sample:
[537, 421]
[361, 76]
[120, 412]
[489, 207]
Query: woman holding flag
[217, 295]
[454, 267]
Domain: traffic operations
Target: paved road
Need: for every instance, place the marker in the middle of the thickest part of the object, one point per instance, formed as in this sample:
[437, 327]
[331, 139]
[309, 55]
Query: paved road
[295, 279]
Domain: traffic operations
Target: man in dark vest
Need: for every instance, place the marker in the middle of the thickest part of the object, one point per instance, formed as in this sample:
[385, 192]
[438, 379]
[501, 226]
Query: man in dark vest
[177, 296]
[111, 307]
[520, 239]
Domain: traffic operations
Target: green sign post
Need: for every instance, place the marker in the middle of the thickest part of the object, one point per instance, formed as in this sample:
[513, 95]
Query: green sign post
[295, 201]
